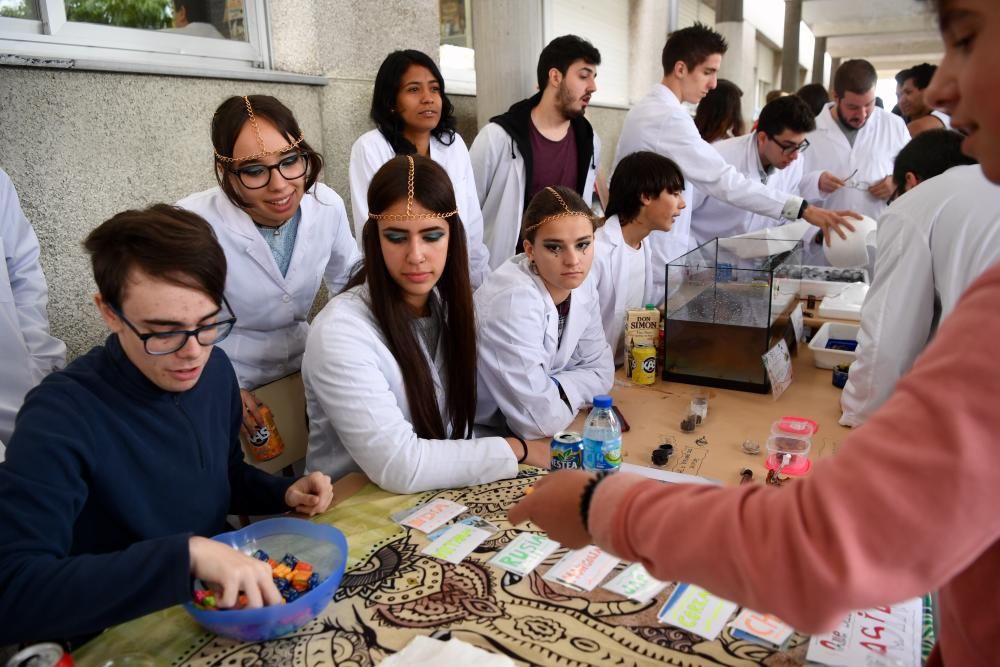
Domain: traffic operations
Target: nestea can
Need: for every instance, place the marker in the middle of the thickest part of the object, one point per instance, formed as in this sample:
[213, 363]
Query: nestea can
[567, 450]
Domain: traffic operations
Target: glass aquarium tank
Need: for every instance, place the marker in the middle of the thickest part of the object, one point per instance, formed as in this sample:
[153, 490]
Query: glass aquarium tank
[727, 303]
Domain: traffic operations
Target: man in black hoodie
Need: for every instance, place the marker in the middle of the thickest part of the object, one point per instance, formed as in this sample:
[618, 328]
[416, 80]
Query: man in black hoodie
[541, 141]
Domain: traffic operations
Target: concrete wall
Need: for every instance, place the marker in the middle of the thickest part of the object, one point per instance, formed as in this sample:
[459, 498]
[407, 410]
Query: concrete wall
[81, 146]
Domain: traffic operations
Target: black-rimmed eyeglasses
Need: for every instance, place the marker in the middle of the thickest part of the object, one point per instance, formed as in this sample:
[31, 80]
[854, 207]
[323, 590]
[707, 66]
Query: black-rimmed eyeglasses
[167, 342]
[789, 148]
[256, 176]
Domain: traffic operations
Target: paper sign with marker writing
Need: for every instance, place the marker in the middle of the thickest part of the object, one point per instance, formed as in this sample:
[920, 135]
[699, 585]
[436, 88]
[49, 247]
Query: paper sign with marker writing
[778, 362]
[696, 610]
[797, 322]
[525, 553]
[583, 569]
[471, 520]
[432, 515]
[635, 583]
[881, 637]
[456, 543]
[754, 625]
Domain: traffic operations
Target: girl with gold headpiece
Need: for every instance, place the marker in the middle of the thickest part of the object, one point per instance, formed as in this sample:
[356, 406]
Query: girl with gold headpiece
[413, 116]
[390, 364]
[282, 232]
[543, 353]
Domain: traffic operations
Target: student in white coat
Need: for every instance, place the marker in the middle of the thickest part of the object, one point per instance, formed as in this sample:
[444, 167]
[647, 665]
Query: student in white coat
[542, 351]
[933, 242]
[390, 365]
[921, 117]
[659, 123]
[647, 194]
[413, 116]
[769, 154]
[282, 232]
[543, 140]
[855, 143]
[28, 352]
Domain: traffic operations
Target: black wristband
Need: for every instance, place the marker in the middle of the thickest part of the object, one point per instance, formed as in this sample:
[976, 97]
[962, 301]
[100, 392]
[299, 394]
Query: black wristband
[802, 209]
[524, 447]
[587, 495]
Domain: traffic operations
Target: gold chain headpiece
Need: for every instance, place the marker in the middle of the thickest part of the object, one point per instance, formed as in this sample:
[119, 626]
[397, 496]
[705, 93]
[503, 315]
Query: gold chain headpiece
[409, 215]
[565, 213]
[260, 141]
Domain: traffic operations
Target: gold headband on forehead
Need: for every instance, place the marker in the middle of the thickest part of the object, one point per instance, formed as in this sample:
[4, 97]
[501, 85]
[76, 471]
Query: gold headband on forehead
[409, 215]
[565, 213]
[260, 141]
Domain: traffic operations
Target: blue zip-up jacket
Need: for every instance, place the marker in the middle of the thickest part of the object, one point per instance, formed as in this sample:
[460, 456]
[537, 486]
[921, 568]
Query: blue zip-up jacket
[107, 477]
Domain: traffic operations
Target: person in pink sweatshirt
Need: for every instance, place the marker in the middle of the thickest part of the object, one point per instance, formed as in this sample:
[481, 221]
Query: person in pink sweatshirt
[908, 504]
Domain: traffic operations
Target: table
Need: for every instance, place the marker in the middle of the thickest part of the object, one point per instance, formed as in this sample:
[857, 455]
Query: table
[390, 592]
[714, 450]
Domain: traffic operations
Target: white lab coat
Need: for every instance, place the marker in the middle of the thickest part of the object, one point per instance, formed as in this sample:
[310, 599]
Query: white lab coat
[500, 181]
[714, 218]
[371, 151]
[933, 242]
[521, 358]
[875, 148]
[609, 274]
[659, 123]
[271, 310]
[359, 417]
[27, 351]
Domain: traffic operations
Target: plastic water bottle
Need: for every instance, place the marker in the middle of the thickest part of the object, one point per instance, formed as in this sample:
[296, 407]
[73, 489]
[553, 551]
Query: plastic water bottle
[602, 438]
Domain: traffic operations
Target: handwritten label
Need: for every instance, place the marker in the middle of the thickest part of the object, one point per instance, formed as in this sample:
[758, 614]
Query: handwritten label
[472, 520]
[778, 363]
[880, 637]
[756, 626]
[432, 515]
[582, 569]
[456, 543]
[635, 583]
[797, 323]
[696, 610]
[525, 553]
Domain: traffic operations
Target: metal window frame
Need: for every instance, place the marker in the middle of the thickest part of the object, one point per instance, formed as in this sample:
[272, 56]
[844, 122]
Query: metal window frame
[54, 41]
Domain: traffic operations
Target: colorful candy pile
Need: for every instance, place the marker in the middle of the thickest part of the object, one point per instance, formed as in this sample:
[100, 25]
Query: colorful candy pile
[293, 578]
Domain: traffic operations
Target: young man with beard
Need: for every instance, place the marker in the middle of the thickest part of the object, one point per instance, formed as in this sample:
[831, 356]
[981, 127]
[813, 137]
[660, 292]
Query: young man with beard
[856, 143]
[660, 123]
[541, 141]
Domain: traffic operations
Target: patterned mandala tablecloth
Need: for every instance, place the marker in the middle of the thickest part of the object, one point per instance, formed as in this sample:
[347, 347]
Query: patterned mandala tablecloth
[391, 592]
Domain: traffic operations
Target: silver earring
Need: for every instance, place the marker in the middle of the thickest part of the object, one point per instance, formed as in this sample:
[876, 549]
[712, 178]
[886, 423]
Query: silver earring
[533, 267]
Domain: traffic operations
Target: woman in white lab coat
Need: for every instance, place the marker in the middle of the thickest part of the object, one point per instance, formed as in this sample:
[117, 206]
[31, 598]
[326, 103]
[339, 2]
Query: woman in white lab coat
[282, 232]
[542, 351]
[647, 194]
[413, 116]
[390, 364]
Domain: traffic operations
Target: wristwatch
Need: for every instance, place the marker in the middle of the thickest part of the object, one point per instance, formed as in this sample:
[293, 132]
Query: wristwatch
[802, 209]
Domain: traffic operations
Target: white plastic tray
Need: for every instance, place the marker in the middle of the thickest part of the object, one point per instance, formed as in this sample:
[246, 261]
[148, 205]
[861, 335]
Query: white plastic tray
[824, 358]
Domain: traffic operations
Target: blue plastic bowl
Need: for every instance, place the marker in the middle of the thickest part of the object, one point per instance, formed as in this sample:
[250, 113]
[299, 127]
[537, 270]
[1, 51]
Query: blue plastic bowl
[323, 546]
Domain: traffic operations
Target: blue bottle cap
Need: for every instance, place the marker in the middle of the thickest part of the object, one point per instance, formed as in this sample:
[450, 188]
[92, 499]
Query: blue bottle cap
[602, 401]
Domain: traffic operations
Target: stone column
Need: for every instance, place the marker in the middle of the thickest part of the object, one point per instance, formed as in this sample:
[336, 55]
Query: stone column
[739, 61]
[508, 36]
[790, 47]
[819, 60]
[834, 66]
[648, 22]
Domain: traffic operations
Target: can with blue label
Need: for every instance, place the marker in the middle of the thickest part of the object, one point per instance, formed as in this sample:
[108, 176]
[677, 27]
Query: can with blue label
[567, 450]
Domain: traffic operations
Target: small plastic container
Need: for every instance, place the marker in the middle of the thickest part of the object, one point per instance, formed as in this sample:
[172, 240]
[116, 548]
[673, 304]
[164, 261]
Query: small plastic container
[791, 436]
